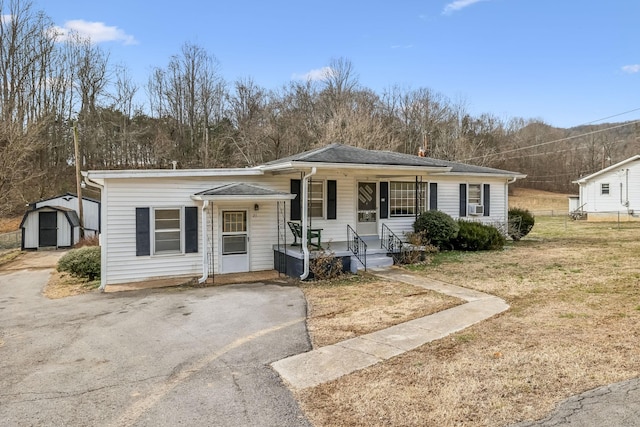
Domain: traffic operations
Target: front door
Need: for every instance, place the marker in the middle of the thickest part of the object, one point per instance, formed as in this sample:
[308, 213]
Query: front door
[235, 242]
[367, 222]
[48, 233]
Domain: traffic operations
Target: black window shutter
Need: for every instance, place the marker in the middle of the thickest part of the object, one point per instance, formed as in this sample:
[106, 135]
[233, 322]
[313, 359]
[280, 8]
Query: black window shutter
[332, 199]
[463, 200]
[486, 194]
[191, 229]
[433, 196]
[384, 200]
[143, 242]
[296, 204]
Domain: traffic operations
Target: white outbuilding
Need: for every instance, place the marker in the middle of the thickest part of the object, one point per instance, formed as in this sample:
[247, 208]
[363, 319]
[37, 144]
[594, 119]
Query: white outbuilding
[613, 193]
[55, 222]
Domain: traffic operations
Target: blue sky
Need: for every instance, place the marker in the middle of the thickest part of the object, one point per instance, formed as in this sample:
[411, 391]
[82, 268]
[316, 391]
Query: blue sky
[566, 62]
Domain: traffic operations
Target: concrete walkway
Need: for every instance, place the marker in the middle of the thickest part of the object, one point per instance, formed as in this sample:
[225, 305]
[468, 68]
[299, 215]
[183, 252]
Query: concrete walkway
[328, 363]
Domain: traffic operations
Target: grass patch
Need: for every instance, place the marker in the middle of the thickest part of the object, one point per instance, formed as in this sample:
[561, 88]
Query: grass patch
[8, 256]
[573, 325]
[341, 309]
[63, 285]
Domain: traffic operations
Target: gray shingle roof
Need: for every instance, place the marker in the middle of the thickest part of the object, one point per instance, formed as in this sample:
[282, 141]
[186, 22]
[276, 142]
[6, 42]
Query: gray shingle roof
[465, 168]
[240, 189]
[339, 153]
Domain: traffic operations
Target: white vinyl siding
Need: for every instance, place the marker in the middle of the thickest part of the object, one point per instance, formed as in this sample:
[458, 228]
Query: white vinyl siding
[122, 196]
[623, 187]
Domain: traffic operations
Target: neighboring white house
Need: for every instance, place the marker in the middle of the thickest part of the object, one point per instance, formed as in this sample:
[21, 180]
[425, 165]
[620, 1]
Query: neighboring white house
[54, 222]
[613, 193]
[195, 223]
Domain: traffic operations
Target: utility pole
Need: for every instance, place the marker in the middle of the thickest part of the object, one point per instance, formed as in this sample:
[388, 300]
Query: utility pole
[78, 178]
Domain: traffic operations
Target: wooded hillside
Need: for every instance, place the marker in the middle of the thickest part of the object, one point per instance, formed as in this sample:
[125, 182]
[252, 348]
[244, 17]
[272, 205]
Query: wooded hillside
[185, 112]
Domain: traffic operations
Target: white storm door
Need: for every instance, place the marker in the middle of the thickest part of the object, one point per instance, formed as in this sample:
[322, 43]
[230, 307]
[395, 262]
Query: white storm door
[235, 242]
[367, 221]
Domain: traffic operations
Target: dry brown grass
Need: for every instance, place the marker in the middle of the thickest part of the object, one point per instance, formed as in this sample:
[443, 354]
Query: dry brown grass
[343, 309]
[9, 255]
[10, 224]
[574, 324]
[538, 200]
[62, 285]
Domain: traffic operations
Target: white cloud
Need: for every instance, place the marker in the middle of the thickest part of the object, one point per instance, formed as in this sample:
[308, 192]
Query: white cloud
[97, 32]
[314, 75]
[631, 69]
[458, 5]
[5, 19]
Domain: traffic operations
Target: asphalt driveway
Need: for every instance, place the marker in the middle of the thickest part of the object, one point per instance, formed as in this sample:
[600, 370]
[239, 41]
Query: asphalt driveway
[147, 358]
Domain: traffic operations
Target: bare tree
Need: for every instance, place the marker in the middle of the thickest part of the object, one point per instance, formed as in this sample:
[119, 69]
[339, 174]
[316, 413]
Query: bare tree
[25, 49]
[189, 96]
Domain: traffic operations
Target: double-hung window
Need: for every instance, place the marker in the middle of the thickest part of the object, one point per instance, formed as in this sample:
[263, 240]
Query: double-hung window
[316, 199]
[604, 189]
[162, 231]
[167, 231]
[475, 194]
[403, 197]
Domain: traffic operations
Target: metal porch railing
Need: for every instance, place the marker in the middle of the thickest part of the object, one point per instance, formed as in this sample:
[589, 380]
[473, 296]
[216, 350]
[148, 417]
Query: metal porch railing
[390, 241]
[357, 246]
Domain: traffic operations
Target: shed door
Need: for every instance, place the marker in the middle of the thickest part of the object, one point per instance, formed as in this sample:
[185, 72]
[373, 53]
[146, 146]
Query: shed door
[48, 234]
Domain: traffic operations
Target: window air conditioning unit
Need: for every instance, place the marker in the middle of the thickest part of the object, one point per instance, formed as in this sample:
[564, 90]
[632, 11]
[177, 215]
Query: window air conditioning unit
[476, 209]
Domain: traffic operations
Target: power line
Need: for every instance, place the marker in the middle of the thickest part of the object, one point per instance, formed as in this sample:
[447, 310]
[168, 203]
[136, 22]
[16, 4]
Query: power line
[609, 117]
[554, 141]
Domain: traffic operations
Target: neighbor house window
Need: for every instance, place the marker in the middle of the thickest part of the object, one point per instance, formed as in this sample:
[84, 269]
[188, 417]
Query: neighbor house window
[316, 199]
[604, 188]
[402, 198]
[167, 231]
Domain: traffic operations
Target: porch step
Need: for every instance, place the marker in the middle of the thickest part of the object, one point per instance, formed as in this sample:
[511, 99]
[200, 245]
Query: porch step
[373, 261]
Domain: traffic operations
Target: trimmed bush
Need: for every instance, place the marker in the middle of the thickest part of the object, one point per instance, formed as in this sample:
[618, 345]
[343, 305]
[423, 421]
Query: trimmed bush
[521, 222]
[476, 236]
[83, 262]
[437, 228]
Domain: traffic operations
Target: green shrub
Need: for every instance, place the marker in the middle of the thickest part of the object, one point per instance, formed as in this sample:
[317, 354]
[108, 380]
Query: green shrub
[83, 262]
[476, 236]
[437, 227]
[521, 222]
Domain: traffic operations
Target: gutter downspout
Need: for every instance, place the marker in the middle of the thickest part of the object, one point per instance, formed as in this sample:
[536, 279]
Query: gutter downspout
[305, 214]
[506, 201]
[205, 263]
[103, 255]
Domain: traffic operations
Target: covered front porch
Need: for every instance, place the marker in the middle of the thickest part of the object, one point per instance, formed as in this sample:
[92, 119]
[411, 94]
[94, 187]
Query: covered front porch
[355, 255]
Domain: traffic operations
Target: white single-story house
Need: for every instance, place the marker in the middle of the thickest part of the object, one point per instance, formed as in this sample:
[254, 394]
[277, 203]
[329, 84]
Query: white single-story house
[54, 222]
[612, 193]
[350, 201]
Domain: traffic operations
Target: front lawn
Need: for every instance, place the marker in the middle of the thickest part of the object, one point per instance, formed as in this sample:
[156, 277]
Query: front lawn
[574, 324]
